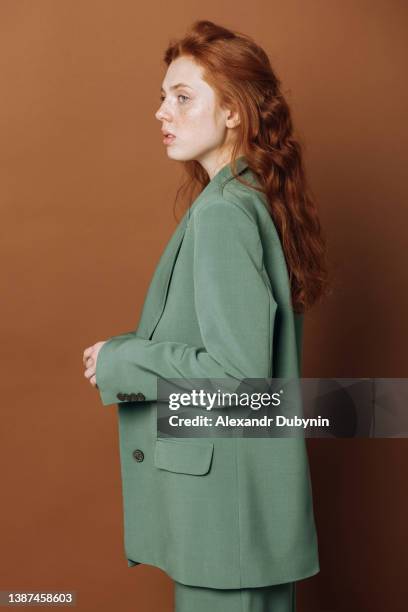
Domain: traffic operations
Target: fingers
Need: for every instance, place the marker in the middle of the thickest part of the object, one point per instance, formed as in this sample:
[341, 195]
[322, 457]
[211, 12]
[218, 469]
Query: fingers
[89, 362]
[92, 377]
[90, 372]
[87, 353]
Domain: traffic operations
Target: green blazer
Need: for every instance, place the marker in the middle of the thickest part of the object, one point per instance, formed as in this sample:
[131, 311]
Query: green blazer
[215, 512]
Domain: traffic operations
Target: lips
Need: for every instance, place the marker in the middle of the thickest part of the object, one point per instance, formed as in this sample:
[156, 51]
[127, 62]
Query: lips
[168, 138]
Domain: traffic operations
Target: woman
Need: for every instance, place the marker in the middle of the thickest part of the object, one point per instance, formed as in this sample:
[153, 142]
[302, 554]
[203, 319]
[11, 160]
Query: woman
[229, 519]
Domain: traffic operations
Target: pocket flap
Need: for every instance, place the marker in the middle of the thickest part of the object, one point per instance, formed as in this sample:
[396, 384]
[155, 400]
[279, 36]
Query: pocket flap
[184, 457]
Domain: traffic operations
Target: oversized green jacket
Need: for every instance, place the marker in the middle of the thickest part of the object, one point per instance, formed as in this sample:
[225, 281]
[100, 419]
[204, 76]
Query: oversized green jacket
[215, 512]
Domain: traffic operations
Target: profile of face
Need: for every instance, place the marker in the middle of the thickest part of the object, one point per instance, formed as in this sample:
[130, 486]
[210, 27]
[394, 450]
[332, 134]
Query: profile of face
[202, 130]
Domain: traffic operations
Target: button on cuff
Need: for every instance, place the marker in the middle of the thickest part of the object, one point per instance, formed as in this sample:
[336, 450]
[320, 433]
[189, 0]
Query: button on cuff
[138, 454]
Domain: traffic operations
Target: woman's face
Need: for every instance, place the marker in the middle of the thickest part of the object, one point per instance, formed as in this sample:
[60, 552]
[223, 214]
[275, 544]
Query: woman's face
[190, 112]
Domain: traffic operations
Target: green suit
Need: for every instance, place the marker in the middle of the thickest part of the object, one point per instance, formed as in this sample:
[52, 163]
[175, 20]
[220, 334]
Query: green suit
[223, 513]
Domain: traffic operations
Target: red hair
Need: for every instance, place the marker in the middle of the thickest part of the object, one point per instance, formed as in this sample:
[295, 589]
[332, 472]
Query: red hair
[241, 75]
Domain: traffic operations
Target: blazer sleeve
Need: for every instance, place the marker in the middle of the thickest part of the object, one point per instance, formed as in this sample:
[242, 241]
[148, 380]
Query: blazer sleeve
[235, 310]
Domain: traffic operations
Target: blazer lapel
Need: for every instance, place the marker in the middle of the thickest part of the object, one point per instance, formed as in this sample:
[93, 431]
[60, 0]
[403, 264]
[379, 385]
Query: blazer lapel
[157, 292]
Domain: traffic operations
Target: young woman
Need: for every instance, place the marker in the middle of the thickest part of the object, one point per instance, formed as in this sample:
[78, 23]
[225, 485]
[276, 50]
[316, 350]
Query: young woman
[229, 519]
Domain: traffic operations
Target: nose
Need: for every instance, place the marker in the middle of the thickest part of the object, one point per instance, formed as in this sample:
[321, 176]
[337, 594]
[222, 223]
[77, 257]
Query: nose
[162, 113]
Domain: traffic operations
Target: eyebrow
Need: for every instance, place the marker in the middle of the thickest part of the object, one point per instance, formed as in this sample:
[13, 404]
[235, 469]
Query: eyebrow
[177, 86]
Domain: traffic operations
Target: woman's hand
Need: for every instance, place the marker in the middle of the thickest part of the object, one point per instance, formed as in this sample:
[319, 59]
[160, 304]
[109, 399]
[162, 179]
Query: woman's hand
[89, 361]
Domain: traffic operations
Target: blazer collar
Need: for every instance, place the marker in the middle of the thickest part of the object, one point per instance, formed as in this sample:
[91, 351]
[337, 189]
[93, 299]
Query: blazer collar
[223, 175]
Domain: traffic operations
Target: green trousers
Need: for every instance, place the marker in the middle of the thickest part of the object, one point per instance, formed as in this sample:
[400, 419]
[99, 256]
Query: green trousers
[275, 598]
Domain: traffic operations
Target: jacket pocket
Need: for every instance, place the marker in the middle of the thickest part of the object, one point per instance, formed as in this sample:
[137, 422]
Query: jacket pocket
[193, 457]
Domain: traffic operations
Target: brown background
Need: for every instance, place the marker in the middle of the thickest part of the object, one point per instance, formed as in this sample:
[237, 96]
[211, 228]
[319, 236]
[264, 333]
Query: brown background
[87, 198]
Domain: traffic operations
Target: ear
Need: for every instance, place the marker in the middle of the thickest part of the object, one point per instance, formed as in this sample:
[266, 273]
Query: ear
[232, 118]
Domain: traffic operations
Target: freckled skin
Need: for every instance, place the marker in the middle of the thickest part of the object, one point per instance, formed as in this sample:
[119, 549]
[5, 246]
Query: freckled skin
[204, 131]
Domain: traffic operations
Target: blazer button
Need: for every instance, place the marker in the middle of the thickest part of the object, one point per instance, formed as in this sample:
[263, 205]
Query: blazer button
[121, 396]
[139, 397]
[138, 454]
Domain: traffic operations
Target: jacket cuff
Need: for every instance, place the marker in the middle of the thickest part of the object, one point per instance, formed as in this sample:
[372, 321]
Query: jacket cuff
[117, 383]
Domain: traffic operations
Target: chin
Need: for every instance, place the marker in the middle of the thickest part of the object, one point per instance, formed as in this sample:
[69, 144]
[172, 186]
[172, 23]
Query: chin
[178, 156]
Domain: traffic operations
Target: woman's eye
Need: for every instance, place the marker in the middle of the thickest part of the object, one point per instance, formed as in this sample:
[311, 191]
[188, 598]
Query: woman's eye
[185, 98]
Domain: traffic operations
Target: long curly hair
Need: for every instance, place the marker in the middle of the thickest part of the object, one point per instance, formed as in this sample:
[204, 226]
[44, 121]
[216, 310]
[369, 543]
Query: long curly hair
[241, 75]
